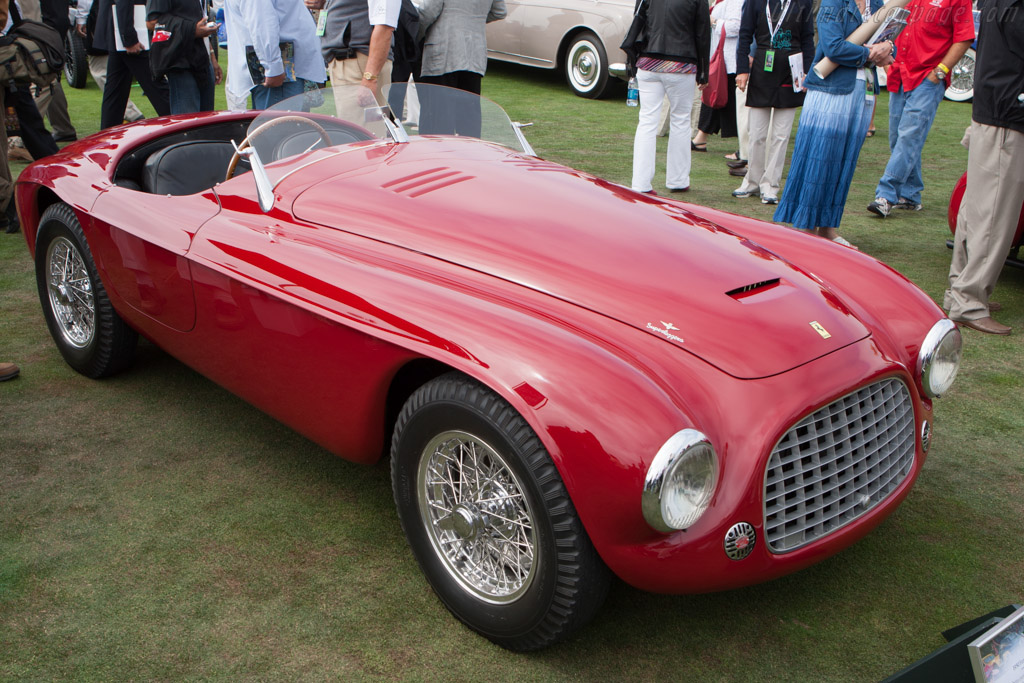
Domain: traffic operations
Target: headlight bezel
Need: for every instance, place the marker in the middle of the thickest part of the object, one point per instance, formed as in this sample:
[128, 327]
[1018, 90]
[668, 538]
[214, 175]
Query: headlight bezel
[936, 344]
[684, 448]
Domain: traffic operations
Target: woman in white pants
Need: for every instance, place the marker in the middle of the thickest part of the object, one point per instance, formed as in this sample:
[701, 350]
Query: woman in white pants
[784, 31]
[671, 61]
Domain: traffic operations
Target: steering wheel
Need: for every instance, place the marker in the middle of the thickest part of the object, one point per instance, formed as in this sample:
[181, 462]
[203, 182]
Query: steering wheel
[247, 142]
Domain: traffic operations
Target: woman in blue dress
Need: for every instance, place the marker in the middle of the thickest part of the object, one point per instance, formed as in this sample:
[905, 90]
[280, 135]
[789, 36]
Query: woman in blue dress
[834, 121]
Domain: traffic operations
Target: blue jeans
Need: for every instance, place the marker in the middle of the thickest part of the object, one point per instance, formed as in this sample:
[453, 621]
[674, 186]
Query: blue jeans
[264, 97]
[190, 91]
[910, 118]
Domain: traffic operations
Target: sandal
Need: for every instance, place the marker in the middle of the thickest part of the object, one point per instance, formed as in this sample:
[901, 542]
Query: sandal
[702, 147]
[844, 242]
[731, 156]
[871, 132]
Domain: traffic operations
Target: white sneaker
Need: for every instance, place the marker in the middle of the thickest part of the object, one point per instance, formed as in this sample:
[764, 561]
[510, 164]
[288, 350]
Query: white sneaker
[880, 206]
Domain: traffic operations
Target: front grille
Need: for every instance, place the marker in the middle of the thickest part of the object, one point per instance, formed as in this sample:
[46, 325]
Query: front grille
[838, 463]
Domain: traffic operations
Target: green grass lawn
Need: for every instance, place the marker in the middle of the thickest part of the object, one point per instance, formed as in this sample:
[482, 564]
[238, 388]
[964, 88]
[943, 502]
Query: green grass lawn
[153, 526]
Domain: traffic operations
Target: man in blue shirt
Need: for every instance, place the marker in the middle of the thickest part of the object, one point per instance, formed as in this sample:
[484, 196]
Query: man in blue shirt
[258, 31]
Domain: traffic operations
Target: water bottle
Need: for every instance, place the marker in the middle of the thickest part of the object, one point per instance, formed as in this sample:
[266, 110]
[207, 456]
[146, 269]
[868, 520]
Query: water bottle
[632, 93]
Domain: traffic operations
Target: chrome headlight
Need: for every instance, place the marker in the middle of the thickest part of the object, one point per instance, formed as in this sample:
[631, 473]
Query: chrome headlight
[680, 481]
[939, 359]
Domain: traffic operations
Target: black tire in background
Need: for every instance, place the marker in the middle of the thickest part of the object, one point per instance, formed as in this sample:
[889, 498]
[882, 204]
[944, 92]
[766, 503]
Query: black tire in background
[76, 61]
[488, 517]
[90, 335]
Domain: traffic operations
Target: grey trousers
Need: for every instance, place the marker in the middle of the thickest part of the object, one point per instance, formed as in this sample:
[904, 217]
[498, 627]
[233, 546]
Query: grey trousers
[987, 220]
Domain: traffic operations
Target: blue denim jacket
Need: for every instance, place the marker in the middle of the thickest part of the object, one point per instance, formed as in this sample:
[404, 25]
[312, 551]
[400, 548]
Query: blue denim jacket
[836, 20]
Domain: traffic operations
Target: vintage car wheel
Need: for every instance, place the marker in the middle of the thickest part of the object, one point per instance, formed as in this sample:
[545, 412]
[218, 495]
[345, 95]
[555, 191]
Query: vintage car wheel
[76, 61]
[89, 334]
[586, 66]
[961, 79]
[488, 517]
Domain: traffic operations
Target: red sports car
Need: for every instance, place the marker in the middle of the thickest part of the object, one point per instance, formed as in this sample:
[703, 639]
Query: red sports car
[574, 380]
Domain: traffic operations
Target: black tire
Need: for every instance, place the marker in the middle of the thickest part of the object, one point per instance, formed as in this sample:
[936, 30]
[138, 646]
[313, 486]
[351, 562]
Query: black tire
[586, 65]
[76, 61]
[88, 332]
[544, 580]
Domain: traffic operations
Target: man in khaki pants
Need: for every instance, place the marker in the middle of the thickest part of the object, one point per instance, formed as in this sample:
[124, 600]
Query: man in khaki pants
[991, 205]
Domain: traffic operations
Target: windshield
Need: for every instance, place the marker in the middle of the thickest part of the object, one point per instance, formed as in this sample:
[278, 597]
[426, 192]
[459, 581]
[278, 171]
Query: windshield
[349, 113]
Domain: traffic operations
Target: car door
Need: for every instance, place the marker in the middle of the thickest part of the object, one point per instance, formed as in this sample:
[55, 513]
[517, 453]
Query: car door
[144, 239]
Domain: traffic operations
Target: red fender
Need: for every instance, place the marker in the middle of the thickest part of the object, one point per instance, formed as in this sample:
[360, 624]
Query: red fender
[954, 208]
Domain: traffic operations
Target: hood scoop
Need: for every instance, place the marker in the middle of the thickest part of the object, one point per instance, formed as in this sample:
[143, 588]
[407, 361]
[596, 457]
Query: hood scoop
[752, 289]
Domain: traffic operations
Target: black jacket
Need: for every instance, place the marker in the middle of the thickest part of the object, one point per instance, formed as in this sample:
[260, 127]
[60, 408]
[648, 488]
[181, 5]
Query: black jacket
[104, 37]
[999, 72]
[679, 30]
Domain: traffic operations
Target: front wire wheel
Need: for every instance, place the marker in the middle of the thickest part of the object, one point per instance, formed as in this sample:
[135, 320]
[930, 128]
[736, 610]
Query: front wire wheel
[90, 335]
[488, 517]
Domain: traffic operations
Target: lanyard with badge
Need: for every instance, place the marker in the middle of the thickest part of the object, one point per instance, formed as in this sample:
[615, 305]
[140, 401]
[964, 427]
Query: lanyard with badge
[769, 56]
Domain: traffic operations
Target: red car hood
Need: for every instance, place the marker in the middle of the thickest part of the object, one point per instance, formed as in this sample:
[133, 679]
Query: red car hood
[644, 262]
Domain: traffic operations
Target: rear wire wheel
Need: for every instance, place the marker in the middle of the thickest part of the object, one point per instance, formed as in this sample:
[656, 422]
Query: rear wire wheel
[488, 517]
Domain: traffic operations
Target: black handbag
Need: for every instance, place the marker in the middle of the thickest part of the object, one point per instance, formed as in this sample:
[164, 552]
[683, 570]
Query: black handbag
[636, 37]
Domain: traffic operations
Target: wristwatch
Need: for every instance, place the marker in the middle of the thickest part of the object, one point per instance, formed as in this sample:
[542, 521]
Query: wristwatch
[367, 76]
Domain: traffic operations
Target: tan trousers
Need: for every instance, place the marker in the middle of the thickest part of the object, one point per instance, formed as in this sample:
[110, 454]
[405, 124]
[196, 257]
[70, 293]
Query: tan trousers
[350, 72]
[52, 104]
[769, 137]
[742, 123]
[987, 220]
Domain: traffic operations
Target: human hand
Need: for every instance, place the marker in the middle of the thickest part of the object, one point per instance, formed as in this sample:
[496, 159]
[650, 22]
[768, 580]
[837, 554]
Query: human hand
[204, 28]
[134, 49]
[701, 86]
[741, 81]
[80, 30]
[274, 81]
[218, 73]
[880, 54]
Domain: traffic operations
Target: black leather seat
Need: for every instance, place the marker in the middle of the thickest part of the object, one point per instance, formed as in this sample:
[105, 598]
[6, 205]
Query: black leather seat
[187, 167]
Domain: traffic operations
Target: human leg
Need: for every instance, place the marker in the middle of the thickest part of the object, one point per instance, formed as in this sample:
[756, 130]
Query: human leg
[652, 96]
[775, 150]
[53, 105]
[907, 134]
[986, 224]
[742, 123]
[679, 88]
[37, 139]
[182, 91]
[758, 119]
[155, 91]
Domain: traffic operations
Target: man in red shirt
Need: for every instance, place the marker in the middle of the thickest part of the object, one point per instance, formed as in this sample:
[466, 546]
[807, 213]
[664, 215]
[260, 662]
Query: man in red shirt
[937, 35]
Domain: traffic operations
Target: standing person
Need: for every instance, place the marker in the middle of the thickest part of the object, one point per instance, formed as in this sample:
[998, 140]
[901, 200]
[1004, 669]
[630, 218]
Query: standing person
[281, 36]
[8, 212]
[834, 122]
[126, 65]
[674, 58]
[725, 24]
[50, 100]
[36, 138]
[937, 35]
[454, 55]
[991, 207]
[182, 52]
[356, 44]
[782, 28]
[85, 26]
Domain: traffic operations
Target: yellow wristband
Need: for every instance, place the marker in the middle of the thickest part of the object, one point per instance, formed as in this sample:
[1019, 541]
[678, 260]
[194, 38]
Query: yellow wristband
[945, 69]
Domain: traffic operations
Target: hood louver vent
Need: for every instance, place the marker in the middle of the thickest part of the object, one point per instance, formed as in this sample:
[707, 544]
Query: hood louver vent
[749, 290]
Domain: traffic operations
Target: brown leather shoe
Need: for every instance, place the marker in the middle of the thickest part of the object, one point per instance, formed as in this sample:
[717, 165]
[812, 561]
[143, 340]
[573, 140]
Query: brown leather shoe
[740, 172]
[736, 164]
[994, 307]
[8, 371]
[986, 325]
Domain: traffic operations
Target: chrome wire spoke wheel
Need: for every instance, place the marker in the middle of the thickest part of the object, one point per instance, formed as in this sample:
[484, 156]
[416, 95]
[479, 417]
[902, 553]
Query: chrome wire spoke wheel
[477, 517]
[70, 293]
